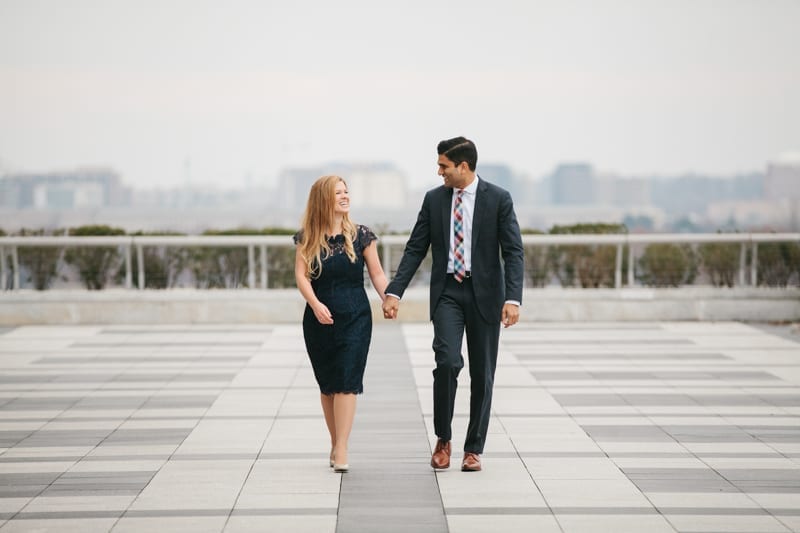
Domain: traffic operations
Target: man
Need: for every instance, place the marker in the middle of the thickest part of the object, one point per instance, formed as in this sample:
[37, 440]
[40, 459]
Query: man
[468, 223]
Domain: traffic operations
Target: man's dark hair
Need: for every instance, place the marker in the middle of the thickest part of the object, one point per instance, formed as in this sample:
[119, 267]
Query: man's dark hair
[459, 149]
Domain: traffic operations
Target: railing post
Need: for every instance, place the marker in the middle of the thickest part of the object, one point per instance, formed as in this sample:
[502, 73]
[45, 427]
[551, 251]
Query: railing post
[251, 272]
[387, 259]
[15, 266]
[264, 270]
[3, 273]
[618, 268]
[754, 266]
[631, 263]
[742, 263]
[140, 263]
[128, 267]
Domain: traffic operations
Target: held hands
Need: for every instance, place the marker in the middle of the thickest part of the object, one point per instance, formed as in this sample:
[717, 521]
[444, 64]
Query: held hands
[322, 313]
[510, 315]
[391, 306]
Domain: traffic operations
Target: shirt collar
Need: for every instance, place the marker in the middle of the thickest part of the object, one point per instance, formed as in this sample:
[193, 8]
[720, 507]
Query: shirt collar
[472, 187]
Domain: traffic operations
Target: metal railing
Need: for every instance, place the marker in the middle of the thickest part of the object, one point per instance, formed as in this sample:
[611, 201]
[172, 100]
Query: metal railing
[129, 244]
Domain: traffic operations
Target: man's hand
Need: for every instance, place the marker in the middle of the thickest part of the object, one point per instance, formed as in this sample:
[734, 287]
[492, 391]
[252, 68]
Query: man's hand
[510, 315]
[391, 306]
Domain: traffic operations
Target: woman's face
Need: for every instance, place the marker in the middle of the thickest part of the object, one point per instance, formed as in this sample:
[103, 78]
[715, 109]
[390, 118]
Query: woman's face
[342, 199]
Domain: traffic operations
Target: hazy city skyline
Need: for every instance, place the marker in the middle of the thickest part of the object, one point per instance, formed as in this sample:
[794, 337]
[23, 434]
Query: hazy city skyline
[214, 93]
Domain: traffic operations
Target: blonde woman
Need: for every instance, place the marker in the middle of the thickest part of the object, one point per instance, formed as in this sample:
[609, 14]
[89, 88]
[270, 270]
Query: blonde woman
[337, 323]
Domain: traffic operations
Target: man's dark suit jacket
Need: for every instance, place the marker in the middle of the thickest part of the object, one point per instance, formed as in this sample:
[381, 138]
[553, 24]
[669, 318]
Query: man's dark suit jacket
[495, 232]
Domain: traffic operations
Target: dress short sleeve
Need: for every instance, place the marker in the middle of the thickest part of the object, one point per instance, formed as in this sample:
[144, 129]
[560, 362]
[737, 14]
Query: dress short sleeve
[297, 237]
[365, 236]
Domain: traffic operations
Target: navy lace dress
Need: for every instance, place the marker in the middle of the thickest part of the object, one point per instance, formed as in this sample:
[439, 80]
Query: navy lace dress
[338, 351]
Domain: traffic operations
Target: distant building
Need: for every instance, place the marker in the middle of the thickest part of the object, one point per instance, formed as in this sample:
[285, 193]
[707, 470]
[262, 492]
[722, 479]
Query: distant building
[782, 186]
[374, 186]
[499, 174]
[622, 191]
[783, 178]
[687, 194]
[523, 191]
[78, 189]
[573, 184]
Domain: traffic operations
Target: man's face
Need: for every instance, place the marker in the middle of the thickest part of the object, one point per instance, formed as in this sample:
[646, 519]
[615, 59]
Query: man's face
[455, 176]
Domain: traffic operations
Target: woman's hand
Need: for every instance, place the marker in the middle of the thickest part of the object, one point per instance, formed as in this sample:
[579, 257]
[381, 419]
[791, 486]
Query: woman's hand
[322, 313]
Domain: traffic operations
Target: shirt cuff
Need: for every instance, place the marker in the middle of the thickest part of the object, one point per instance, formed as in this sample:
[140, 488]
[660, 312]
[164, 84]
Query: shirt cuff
[514, 302]
[390, 294]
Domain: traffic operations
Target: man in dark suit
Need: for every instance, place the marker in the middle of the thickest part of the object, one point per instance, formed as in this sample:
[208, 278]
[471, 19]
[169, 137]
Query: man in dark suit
[469, 224]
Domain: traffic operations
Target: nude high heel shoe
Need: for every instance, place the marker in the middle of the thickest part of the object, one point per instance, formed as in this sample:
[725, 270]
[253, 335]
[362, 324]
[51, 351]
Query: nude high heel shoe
[339, 468]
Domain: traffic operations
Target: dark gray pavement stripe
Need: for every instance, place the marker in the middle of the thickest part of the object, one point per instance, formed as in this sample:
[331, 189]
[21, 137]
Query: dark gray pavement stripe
[390, 486]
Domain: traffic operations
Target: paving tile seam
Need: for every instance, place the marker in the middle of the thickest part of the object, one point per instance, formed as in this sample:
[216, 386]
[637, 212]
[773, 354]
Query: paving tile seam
[527, 470]
[627, 511]
[261, 447]
[667, 387]
[177, 513]
[453, 511]
[177, 447]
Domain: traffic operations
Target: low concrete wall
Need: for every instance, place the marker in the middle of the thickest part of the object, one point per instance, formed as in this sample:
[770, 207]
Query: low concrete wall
[182, 306]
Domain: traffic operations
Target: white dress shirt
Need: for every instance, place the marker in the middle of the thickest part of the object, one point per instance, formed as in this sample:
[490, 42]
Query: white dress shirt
[468, 206]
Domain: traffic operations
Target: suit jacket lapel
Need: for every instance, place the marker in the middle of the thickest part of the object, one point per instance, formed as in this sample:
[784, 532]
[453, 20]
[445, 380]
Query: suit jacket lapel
[477, 213]
[447, 204]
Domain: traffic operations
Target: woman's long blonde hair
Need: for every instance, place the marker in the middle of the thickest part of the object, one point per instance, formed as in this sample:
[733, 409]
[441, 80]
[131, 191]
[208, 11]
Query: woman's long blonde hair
[317, 219]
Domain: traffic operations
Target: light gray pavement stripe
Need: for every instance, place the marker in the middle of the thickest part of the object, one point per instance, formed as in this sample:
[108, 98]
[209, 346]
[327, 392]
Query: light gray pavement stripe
[321, 511]
[390, 486]
[123, 458]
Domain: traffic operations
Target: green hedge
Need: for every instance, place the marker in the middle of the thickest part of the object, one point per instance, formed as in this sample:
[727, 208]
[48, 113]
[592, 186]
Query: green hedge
[660, 265]
[778, 264]
[163, 265]
[720, 262]
[40, 262]
[537, 262]
[667, 265]
[589, 266]
[96, 265]
[226, 267]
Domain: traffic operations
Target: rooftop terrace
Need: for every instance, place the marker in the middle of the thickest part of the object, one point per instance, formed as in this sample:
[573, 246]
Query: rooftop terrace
[619, 427]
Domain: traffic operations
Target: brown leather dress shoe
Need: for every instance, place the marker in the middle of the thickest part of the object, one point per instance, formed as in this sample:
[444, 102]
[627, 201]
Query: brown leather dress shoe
[471, 462]
[441, 454]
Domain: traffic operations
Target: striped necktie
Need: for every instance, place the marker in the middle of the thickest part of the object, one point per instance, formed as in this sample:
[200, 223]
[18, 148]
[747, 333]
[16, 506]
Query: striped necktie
[459, 267]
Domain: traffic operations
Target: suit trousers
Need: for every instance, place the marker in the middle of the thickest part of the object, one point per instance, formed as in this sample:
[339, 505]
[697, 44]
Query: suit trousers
[455, 312]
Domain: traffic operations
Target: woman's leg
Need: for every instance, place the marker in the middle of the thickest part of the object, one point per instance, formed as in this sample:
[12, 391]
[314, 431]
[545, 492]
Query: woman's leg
[344, 411]
[327, 410]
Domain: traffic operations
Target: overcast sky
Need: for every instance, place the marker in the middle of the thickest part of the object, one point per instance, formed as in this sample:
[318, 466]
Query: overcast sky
[215, 91]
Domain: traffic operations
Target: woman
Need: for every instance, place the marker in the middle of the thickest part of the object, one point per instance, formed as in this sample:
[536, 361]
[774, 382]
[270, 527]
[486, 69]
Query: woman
[337, 323]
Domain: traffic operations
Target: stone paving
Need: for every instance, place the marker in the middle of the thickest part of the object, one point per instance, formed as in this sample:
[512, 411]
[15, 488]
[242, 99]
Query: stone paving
[619, 427]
